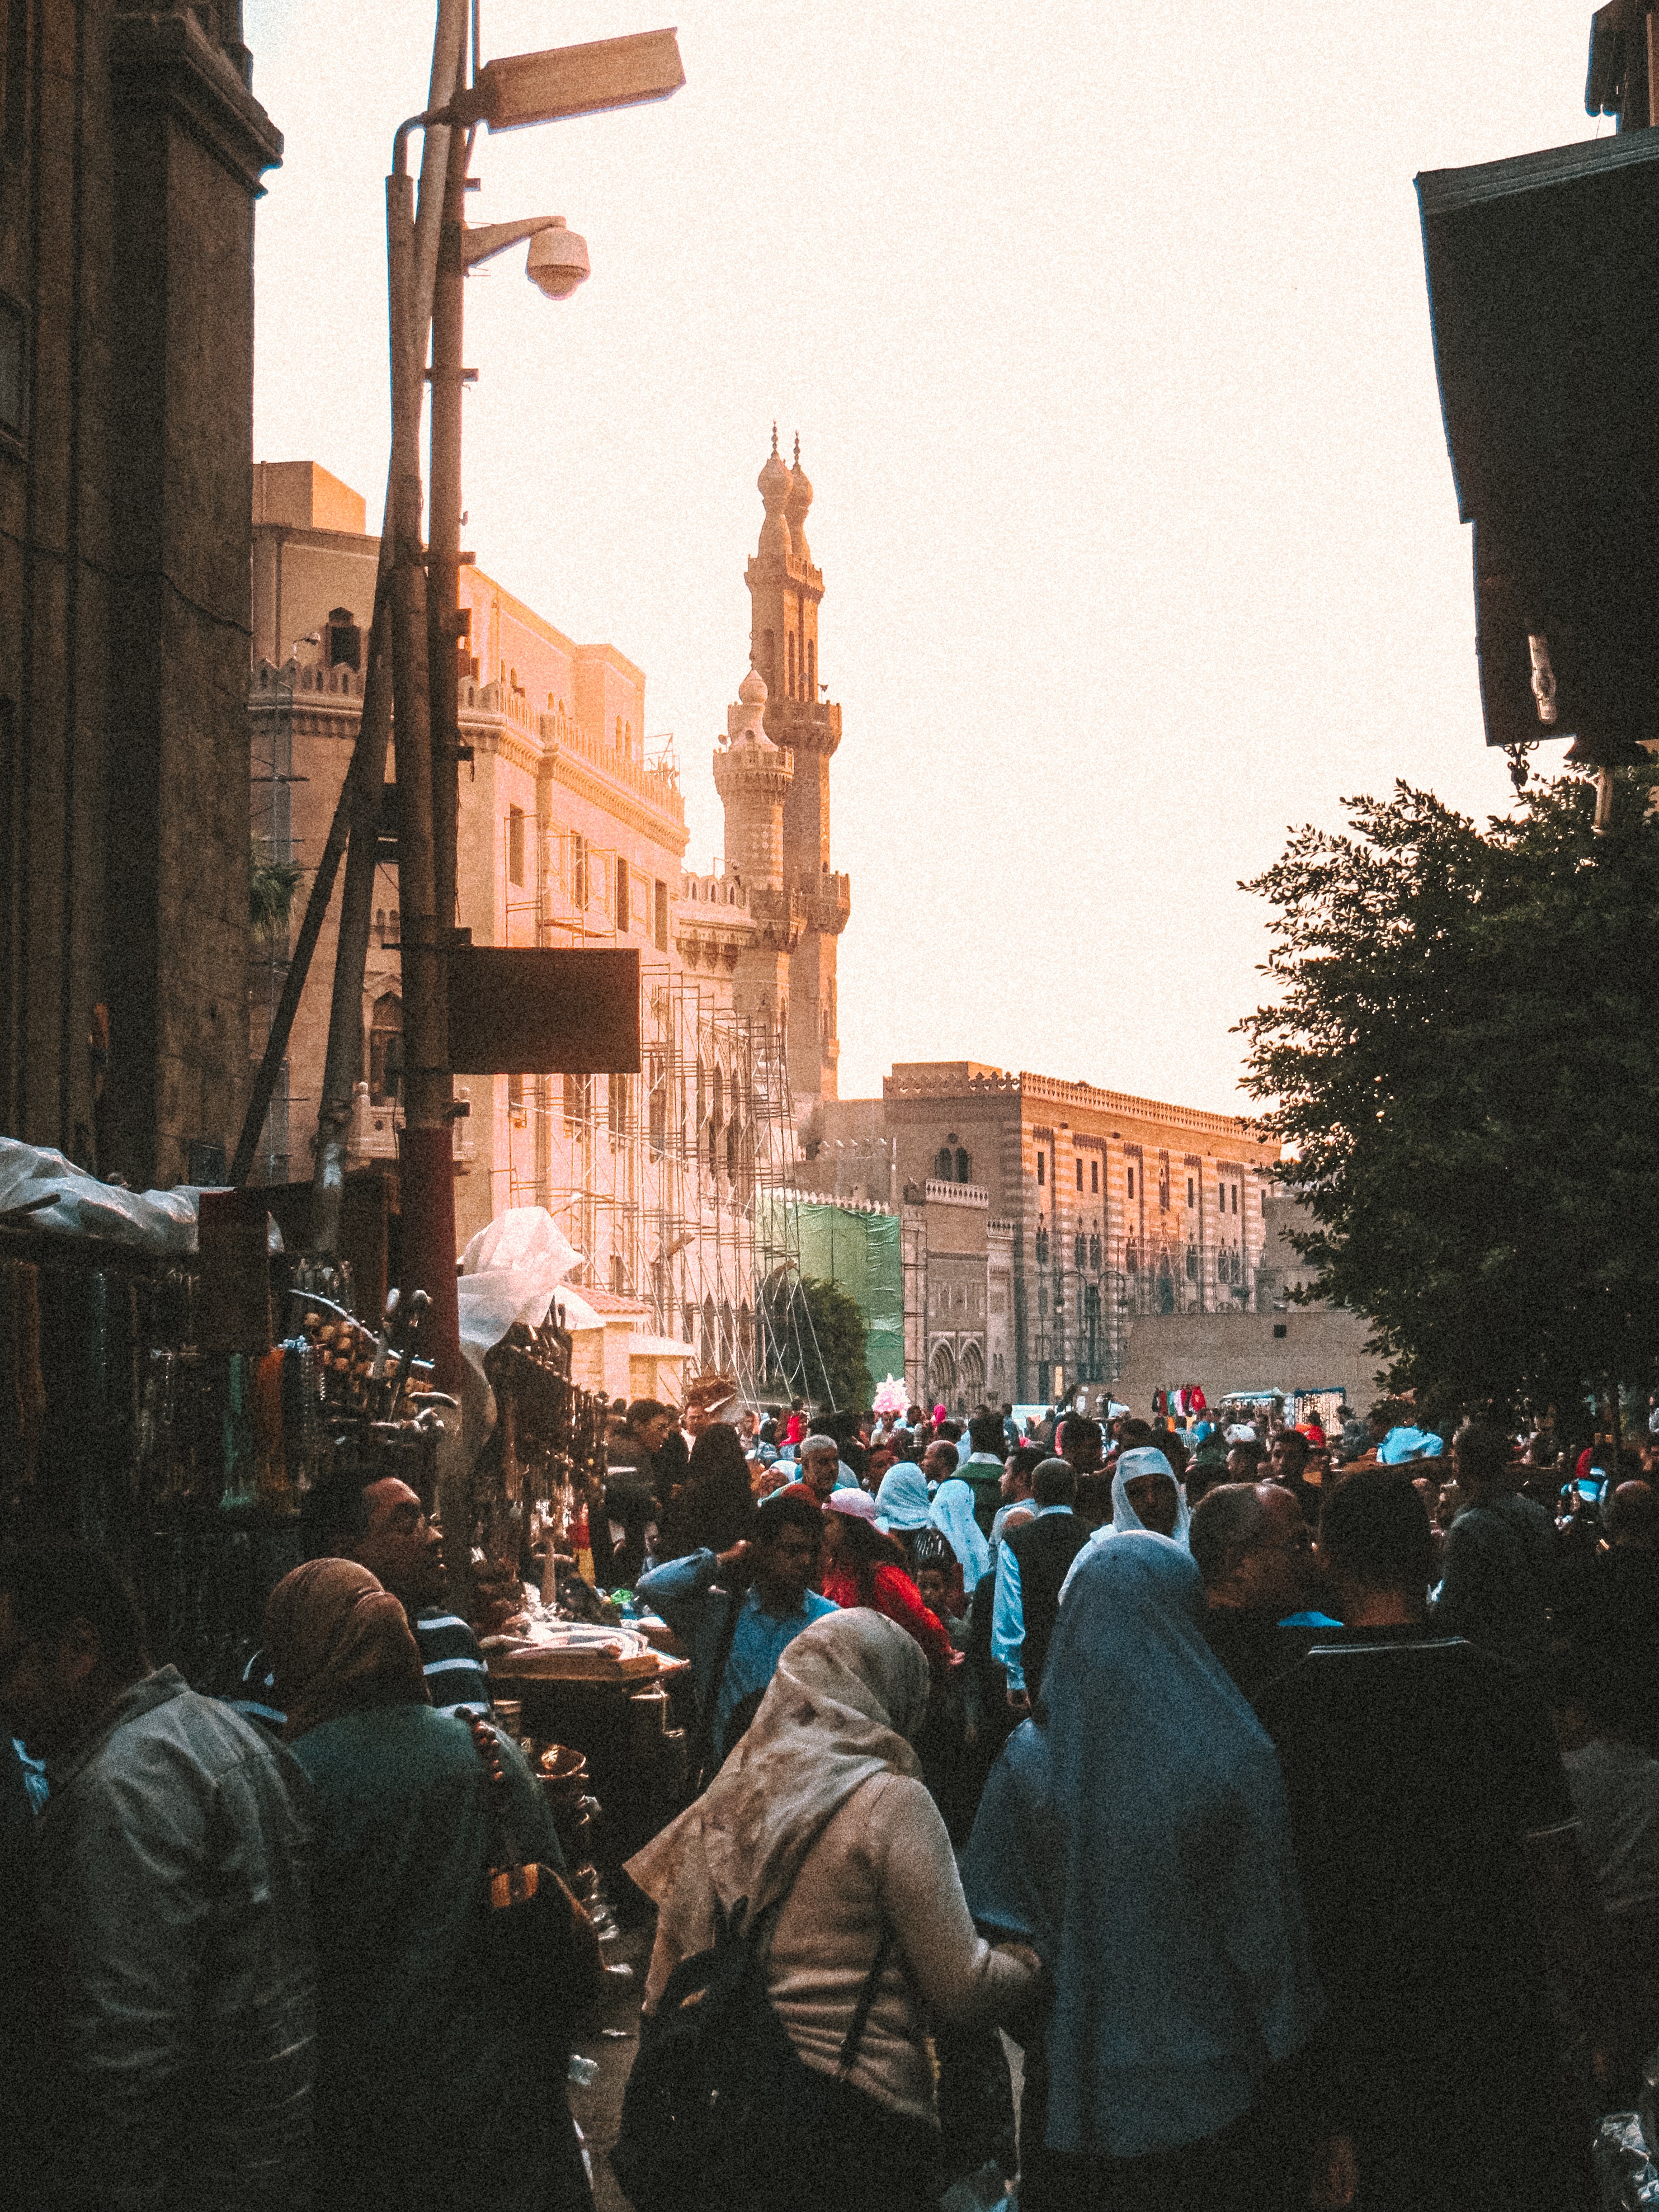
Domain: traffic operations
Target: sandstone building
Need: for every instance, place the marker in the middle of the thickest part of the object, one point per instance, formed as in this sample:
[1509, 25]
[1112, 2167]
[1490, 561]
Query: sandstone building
[1111, 1206]
[132, 150]
[571, 835]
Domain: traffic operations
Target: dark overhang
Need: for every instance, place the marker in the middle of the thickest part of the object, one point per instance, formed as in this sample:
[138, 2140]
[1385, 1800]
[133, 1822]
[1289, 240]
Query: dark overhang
[1543, 277]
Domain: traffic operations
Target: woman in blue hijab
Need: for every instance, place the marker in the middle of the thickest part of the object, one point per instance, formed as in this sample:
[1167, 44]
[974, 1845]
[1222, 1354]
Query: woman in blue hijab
[953, 1516]
[1136, 1833]
[903, 1502]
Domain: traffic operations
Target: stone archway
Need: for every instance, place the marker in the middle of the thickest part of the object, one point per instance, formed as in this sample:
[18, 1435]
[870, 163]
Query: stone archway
[942, 1374]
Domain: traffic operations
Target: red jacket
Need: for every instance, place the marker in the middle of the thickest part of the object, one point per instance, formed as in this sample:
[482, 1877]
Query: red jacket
[897, 1596]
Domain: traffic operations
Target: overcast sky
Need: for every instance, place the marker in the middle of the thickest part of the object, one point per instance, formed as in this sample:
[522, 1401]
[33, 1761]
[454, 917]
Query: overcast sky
[1105, 333]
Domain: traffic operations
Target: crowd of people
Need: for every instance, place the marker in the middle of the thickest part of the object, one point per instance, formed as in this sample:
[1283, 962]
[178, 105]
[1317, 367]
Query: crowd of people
[1174, 1814]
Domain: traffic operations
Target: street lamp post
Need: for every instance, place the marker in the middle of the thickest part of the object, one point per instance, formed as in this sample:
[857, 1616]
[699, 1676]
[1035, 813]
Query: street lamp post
[504, 94]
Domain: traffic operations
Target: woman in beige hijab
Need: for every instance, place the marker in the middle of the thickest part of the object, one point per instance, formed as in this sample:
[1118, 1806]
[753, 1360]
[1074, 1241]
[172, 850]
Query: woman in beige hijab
[821, 1812]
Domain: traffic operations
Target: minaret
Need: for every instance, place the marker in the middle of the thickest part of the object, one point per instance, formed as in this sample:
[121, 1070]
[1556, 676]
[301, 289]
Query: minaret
[784, 591]
[752, 776]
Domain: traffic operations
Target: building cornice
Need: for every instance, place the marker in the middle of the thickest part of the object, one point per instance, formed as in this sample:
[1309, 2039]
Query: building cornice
[161, 60]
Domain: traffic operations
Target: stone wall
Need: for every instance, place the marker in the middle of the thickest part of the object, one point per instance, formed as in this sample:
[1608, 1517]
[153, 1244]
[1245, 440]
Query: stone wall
[126, 247]
[1317, 1348]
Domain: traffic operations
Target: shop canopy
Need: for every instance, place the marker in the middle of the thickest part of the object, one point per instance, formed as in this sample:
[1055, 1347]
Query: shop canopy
[1543, 276]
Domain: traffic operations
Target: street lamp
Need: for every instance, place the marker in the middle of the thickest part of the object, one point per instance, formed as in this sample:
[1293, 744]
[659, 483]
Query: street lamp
[505, 95]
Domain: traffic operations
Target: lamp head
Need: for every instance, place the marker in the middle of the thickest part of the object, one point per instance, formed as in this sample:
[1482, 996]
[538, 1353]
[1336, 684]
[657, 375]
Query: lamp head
[557, 260]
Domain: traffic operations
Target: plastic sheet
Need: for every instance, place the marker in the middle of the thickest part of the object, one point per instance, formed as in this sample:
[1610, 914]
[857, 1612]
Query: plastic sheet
[1625, 2174]
[80, 1206]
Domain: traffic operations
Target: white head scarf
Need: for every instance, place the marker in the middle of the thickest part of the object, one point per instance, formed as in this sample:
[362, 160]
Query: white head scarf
[1145, 1458]
[850, 1692]
[953, 1516]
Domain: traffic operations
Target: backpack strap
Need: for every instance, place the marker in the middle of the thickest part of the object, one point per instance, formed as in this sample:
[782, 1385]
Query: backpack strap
[865, 2005]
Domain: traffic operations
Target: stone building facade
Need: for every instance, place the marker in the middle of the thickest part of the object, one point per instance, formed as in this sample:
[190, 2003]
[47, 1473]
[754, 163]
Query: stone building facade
[572, 834]
[132, 150]
[1114, 1206]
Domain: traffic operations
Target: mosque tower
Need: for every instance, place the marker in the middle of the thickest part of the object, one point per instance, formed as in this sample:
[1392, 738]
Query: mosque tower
[784, 592]
[753, 777]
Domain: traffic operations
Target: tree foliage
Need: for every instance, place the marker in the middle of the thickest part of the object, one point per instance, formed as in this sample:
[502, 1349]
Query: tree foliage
[1464, 1055]
[271, 884]
[819, 1335]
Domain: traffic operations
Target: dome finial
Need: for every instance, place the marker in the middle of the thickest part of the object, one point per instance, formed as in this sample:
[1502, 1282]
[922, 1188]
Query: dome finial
[797, 449]
[774, 437]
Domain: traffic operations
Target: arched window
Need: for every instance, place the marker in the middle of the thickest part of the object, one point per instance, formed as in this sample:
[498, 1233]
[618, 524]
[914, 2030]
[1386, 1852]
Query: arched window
[964, 1166]
[942, 1164]
[1080, 1252]
[1131, 1259]
[791, 649]
[618, 1285]
[811, 669]
[1094, 1178]
[973, 1374]
[386, 1050]
[770, 660]
[734, 1147]
[1043, 1247]
[942, 1373]
[1094, 1256]
[1043, 1159]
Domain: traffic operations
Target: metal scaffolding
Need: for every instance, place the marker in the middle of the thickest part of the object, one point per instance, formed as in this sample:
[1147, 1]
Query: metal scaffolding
[666, 1181]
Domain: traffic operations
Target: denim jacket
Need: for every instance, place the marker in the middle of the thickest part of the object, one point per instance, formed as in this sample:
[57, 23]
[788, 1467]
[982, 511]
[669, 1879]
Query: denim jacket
[170, 1868]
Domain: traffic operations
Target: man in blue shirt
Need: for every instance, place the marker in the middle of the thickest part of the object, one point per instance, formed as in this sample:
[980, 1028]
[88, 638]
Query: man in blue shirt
[736, 1634]
[1032, 1560]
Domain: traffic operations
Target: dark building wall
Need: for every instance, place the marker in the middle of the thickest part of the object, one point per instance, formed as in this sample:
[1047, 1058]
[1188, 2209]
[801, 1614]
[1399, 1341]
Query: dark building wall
[126, 240]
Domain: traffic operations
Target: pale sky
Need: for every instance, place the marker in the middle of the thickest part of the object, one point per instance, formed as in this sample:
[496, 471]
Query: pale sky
[1105, 332]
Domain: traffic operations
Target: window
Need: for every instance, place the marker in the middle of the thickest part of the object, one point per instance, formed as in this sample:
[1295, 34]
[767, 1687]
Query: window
[1094, 1178]
[345, 639]
[622, 1117]
[1190, 1192]
[621, 892]
[1132, 1182]
[1094, 1254]
[12, 354]
[812, 668]
[964, 1166]
[1080, 1171]
[1041, 1164]
[769, 661]
[386, 1050]
[515, 845]
[515, 1106]
[1043, 1247]
[942, 1165]
[659, 1112]
[659, 906]
[1080, 1252]
[1234, 1201]
[578, 870]
[14, 93]
[578, 1101]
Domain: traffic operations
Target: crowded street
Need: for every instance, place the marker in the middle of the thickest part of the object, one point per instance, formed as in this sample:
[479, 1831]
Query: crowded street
[829, 1236]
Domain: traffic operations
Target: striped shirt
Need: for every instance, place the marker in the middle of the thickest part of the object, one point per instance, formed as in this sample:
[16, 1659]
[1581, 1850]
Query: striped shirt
[456, 1670]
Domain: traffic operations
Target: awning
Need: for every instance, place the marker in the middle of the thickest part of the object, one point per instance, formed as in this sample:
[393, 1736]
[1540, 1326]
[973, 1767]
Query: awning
[1543, 276]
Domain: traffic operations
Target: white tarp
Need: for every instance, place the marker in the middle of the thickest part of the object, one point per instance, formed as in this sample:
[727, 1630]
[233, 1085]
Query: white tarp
[154, 1220]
